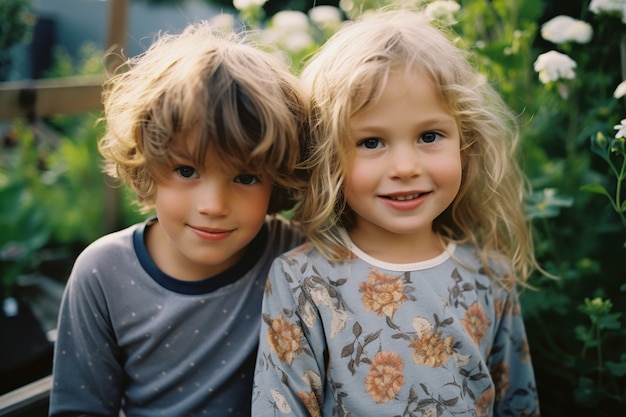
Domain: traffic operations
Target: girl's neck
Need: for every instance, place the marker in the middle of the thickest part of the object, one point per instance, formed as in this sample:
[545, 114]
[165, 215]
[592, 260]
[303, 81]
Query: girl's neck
[399, 248]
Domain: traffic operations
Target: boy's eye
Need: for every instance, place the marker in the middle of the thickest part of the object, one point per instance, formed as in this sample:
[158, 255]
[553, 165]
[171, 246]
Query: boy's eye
[186, 171]
[370, 143]
[247, 179]
[430, 137]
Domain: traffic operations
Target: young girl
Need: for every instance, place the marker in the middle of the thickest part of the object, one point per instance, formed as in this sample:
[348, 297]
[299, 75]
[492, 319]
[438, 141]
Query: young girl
[404, 303]
[162, 318]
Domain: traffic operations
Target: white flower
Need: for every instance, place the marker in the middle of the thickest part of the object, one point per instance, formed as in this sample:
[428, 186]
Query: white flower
[561, 29]
[607, 6]
[338, 322]
[422, 326]
[290, 29]
[308, 315]
[223, 21]
[280, 401]
[611, 7]
[325, 15]
[442, 10]
[621, 129]
[244, 4]
[290, 21]
[620, 91]
[553, 66]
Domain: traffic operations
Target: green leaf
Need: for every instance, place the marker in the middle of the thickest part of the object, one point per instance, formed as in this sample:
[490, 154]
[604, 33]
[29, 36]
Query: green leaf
[617, 369]
[595, 188]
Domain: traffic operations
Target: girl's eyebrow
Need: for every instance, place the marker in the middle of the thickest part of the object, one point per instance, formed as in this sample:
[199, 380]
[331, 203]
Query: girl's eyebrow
[437, 120]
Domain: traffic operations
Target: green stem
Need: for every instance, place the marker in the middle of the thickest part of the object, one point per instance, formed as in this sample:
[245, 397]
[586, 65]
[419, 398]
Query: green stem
[618, 192]
[599, 367]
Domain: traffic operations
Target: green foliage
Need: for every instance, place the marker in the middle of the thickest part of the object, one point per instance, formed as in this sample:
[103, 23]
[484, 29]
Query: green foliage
[16, 23]
[52, 190]
[612, 151]
[24, 220]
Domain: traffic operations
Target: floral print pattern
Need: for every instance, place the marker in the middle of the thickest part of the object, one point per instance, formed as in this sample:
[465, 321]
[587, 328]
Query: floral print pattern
[382, 293]
[385, 377]
[284, 339]
[359, 338]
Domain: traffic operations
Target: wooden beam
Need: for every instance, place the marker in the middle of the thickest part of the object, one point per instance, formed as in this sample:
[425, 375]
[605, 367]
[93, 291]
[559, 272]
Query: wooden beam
[25, 397]
[47, 97]
[116, 40]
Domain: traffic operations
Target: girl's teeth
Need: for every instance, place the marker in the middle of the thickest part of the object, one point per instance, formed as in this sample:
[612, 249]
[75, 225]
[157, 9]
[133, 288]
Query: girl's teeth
[404, 197]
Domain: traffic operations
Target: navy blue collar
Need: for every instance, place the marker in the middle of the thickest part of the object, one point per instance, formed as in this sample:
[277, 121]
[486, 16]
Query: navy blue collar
[253, 253]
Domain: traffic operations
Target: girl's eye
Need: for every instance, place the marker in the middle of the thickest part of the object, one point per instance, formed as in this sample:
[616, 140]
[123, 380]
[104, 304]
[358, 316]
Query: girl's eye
[370, 143]
[247, 179]
[186, 171]
[430, 137]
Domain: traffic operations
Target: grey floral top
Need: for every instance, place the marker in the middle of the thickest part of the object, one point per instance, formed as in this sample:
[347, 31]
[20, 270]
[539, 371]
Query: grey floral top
[369, 338]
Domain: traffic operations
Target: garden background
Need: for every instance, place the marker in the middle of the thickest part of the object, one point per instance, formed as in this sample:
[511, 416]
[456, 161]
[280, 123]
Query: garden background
[562, 76]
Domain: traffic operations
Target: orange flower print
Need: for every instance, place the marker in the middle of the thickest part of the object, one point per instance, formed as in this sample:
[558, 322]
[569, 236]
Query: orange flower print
[385, 377]
[284, 338]
[475, 322]
[431, 349]
[484, 403]
[309, 400]
[382, 294]
[500, 374]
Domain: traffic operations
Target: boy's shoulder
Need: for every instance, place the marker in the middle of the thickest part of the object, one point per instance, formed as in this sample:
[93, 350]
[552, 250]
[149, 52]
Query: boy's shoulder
[111, 248]
[118, 239]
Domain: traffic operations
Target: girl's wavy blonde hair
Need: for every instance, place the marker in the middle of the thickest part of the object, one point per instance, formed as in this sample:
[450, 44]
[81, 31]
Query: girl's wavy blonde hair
[241, 103]
[350, 71]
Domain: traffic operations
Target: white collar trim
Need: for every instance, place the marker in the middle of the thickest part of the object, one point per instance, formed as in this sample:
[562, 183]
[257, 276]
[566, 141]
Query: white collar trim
[413, 266]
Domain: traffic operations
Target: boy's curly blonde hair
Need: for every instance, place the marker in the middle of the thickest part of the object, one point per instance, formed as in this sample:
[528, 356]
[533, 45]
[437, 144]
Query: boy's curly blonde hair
[350, 71]
[242, 104]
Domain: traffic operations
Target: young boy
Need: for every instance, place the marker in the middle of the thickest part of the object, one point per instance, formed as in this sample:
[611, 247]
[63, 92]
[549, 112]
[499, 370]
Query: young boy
[163, 318]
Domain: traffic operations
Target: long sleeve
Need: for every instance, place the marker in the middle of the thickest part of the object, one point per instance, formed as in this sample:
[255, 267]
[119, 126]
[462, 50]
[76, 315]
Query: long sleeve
[510, 363]
[290, 362]
[88, 374]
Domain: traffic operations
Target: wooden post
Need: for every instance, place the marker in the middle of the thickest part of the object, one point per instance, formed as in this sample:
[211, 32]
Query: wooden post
[116, 39]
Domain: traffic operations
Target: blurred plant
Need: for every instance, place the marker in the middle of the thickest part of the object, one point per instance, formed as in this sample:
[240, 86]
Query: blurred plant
[596, 384]
[51, 185]
[23, 221]
[16, 23]
[611, 150]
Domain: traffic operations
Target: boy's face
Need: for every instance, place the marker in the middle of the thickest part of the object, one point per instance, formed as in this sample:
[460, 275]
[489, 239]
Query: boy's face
[206, 218]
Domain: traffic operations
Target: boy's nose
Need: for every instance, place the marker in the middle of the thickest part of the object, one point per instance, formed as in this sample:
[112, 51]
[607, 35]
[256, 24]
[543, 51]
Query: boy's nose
[213, 200]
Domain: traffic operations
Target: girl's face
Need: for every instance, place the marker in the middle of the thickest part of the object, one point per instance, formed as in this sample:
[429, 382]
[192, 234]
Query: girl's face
[405, 169]
[207, 216]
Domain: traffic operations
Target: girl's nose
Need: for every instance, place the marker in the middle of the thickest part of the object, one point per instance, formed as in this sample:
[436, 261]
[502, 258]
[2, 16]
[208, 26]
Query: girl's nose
[405, 162]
